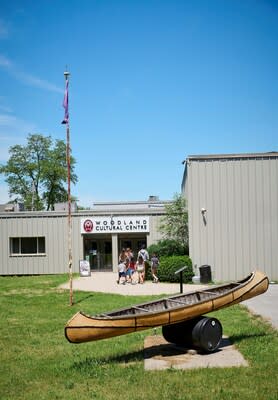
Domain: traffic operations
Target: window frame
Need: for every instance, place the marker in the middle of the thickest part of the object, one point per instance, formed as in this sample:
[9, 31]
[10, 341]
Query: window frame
[17, 242]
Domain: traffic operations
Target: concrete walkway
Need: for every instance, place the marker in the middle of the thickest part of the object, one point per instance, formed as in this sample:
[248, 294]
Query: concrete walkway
[266, 305]
[106, 282]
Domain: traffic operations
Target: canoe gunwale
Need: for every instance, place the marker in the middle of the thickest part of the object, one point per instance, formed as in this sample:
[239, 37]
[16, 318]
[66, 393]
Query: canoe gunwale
[83, 327]
[140, 307]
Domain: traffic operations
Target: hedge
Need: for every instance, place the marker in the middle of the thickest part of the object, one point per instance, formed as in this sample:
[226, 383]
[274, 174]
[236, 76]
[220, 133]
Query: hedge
[169, 265]
[168, 247]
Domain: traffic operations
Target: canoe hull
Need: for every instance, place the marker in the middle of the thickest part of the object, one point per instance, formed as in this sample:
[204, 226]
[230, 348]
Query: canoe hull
[84, 328]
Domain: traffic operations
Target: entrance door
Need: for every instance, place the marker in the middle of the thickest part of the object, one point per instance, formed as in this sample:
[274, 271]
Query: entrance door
[99, 254]
[133, 243]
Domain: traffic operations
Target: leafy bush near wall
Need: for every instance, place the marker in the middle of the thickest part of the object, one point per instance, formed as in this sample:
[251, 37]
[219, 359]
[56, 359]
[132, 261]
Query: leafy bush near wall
[169, 265]
[168, 247]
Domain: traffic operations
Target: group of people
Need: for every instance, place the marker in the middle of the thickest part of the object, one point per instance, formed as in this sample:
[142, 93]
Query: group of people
[133, 270]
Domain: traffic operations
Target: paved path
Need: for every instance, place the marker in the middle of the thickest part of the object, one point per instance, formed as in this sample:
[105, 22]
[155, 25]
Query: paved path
[264, 305]
[106, 282]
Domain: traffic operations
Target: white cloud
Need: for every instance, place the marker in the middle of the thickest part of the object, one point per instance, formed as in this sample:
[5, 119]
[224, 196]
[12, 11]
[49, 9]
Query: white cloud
[3, 105]
[26, 78]
[4, 193]
[84, 200]
[10, 126]
[7, 120]
[13, 125]
[5, 62]
[5, 109]
[37, 82]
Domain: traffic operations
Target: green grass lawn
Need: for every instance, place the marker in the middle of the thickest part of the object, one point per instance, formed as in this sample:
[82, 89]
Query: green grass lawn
[38, 363]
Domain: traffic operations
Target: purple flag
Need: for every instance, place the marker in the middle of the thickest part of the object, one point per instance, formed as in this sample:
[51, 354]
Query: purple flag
[66, 103]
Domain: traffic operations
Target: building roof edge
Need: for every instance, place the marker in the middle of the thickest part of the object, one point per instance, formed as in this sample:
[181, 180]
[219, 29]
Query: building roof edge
[230, 156]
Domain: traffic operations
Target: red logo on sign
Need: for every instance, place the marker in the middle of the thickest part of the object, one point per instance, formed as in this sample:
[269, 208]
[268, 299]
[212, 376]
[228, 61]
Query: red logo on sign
[88, 225]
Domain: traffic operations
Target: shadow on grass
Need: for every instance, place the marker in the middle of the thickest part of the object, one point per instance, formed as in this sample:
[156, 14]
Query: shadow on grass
[90, 363]
[83, 299]
[161, 350]
[239, 338]
[172, 349]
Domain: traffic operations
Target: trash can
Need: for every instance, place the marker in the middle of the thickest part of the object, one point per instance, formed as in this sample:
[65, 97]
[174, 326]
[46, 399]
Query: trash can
[205, 274]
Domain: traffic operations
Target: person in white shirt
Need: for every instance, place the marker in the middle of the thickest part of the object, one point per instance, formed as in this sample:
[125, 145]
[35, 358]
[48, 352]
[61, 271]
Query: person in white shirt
[122, 266]
[143, 253]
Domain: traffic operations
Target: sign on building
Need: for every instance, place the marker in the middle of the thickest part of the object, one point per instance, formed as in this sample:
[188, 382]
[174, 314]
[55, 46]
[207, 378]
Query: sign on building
[115, 224]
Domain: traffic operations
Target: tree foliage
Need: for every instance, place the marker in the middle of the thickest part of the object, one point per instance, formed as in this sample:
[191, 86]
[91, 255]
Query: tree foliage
[174, 224]
[37, 173]
[168, 247]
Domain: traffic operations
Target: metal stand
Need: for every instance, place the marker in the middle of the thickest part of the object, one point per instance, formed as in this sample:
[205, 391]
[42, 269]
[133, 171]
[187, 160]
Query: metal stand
[180, 271]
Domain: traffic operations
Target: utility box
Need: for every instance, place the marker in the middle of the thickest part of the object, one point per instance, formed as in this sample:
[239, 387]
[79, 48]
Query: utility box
[205, 274]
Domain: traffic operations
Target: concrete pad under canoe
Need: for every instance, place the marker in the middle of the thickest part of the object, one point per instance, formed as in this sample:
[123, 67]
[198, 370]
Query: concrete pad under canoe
[159, 355]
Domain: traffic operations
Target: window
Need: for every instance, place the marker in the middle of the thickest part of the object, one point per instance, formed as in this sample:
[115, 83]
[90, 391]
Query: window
[27, 245]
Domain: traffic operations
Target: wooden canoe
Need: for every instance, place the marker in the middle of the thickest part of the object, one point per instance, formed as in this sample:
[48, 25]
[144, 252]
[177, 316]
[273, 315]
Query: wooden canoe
[171, 310]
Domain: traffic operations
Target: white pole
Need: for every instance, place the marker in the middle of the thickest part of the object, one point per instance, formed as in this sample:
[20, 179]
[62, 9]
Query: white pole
[66, 74]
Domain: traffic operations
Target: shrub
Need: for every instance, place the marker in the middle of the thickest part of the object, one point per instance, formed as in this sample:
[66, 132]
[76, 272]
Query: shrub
[168, 247]
[169, 265]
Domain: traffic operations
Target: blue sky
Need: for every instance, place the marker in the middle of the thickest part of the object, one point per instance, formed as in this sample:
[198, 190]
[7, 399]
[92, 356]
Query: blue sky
[151, 83]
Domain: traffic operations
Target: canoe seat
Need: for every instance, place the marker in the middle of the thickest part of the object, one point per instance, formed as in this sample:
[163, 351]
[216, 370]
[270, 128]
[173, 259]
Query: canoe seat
[140, 308]
[208, 292]
[105, 315]
[177, 301]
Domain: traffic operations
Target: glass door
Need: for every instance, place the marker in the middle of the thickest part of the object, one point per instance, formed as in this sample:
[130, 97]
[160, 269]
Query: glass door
[107, 255]
[134, 244]
[99, 253]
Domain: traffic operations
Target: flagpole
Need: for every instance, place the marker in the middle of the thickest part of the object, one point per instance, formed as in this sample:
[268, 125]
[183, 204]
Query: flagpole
[66, 121]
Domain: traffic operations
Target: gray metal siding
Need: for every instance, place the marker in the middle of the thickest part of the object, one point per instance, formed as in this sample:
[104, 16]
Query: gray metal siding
[54, 227]
[154, 235]
[54, 260]
[77, 243]
[240, 229]
[57, 245]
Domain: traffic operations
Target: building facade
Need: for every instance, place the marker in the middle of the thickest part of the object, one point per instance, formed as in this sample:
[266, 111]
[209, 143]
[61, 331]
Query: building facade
[233, 213]
[37, 242]
[232, 219]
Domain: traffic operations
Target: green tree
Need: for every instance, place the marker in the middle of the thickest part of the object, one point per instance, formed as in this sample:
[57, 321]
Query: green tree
[174, 224]
[168, 247]
[55, 175]
[37, 173]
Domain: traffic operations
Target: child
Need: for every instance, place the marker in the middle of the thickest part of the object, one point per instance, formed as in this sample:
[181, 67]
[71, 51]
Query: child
[154, 267]
[122, 256]
[140, 268]
[122, 272]
[130, 270]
